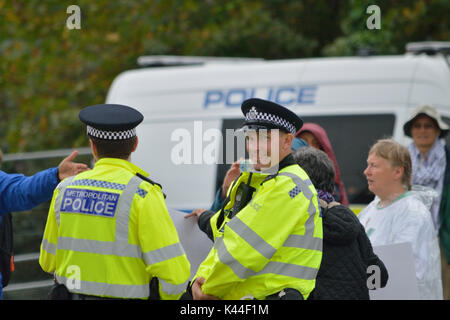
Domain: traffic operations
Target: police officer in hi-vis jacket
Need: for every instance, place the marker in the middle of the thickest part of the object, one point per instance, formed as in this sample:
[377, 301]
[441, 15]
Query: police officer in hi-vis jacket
[268, 232]
[108, 232]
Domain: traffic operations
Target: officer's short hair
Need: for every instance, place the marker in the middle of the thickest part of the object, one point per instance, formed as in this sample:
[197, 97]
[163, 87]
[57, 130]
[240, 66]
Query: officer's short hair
[114, 148]
[318, 166]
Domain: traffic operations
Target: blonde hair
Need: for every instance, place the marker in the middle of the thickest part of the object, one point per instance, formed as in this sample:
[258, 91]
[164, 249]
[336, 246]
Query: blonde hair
[397, 155]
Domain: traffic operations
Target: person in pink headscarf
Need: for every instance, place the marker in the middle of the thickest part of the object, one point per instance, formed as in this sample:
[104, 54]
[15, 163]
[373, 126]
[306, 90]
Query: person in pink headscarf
[316, 137]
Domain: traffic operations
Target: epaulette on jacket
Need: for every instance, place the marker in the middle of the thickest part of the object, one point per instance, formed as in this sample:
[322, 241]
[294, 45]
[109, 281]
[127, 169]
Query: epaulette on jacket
[151, 182]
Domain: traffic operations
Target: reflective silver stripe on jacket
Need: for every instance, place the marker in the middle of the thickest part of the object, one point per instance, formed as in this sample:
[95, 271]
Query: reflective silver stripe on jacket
[162, 254]
[173, 289]
[251, 237]
[303, 186]
[49, 247]
[120, 249]
[275, 267]
[306, 241]
[46, 245]
[108, 289]
[61, 187]
[124, 208]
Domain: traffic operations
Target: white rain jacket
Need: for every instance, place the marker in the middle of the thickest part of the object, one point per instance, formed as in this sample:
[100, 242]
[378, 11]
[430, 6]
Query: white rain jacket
[408, 219]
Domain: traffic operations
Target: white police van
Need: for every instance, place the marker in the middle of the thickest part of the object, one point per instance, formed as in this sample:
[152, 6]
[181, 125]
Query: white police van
[187, 109]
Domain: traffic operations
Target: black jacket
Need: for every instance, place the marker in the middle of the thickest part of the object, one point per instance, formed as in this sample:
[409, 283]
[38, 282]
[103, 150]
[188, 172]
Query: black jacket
[347, 253]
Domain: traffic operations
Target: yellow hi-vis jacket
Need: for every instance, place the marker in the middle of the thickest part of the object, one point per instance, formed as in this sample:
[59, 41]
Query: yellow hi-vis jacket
[273, 243]
[108, 233]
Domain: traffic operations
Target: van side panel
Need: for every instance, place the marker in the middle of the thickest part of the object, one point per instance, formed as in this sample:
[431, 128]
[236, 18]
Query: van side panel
[176, 155]
[180, 105]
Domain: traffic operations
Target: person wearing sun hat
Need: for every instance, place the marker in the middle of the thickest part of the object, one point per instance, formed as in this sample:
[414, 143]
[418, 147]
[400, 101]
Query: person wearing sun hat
[431, 168]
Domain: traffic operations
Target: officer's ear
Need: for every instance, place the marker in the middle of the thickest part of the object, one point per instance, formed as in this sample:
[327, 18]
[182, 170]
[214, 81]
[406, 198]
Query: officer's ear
[287, 139]
[136, 142]
[94, 149]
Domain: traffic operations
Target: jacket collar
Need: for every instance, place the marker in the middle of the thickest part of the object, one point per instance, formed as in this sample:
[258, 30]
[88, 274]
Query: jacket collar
[115, 162]
[287, 161]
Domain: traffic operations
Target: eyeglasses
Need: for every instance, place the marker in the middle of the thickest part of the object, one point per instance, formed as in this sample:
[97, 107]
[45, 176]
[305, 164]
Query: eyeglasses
[424, 125]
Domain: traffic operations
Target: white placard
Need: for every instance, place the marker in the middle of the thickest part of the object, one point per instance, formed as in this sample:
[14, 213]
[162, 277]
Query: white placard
[402, 283]
[195, 242]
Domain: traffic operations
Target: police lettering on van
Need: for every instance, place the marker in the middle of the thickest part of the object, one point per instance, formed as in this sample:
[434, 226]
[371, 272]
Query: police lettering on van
[285, 95]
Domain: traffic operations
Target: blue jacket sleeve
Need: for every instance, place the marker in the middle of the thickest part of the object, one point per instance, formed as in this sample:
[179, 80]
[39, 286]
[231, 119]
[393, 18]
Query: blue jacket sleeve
[18, 192]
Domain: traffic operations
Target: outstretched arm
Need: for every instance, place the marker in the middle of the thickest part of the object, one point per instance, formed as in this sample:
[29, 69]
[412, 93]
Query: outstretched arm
[18, 192]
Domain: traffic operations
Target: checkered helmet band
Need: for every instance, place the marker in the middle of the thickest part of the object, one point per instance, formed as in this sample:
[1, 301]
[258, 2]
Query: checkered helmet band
[254, 115]
[111, 135]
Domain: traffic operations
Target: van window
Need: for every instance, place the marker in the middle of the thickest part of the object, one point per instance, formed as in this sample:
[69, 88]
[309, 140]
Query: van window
[351, 137]
[223, 166]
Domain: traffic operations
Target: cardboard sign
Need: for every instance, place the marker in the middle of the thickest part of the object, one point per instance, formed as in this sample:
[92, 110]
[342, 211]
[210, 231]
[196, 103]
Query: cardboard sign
[195, 242]
[402, 283]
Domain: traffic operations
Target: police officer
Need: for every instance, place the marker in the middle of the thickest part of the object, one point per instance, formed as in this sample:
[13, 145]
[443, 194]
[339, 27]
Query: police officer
[108, 232]
[268, 233]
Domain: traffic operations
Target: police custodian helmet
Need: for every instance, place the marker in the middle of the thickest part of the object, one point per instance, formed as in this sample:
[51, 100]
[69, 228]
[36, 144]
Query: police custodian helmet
[264, 114]
[111, 121]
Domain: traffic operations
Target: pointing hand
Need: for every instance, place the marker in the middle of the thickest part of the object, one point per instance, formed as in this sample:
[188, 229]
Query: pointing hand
[68, 168]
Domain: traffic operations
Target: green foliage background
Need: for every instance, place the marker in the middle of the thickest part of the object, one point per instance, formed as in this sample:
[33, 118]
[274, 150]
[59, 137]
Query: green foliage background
[48, 72]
